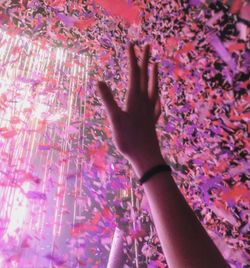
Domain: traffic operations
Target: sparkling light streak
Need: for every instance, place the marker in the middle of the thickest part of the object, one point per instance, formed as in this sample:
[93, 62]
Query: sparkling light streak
[38, 103]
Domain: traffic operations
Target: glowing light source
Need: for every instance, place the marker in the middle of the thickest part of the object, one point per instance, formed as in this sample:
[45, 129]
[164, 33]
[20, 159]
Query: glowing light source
[19, 207]
[37, 106]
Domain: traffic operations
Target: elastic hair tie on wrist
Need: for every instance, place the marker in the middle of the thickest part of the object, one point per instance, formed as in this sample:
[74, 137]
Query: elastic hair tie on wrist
[150, 173]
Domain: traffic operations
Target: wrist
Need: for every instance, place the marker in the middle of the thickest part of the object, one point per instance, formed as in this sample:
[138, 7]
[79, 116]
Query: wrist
[143, 162]
[153, 172]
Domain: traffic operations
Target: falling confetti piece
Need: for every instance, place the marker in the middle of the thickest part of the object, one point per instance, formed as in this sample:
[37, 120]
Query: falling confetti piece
[36, 195]
[121, 9]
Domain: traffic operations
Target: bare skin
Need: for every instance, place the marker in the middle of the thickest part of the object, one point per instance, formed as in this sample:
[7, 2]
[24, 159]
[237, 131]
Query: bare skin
[184, 241]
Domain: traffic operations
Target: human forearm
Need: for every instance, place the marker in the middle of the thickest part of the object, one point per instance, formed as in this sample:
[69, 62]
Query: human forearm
[184, 241]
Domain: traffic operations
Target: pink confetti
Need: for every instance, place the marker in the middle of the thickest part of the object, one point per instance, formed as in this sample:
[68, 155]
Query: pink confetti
[36, 195]
[55, 259]
[222, 51]
[65, 155]
[121, 9]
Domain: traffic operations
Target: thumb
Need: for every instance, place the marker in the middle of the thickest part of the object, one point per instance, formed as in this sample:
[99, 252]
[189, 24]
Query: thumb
[108, 99]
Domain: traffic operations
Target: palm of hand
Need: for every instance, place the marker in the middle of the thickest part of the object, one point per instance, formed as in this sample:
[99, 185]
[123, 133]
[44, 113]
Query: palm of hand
[134, 128]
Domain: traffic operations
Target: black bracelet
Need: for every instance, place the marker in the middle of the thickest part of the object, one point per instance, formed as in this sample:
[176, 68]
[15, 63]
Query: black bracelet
[153, 171]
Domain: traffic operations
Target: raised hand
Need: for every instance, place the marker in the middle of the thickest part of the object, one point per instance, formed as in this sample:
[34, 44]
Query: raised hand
[134, 127]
